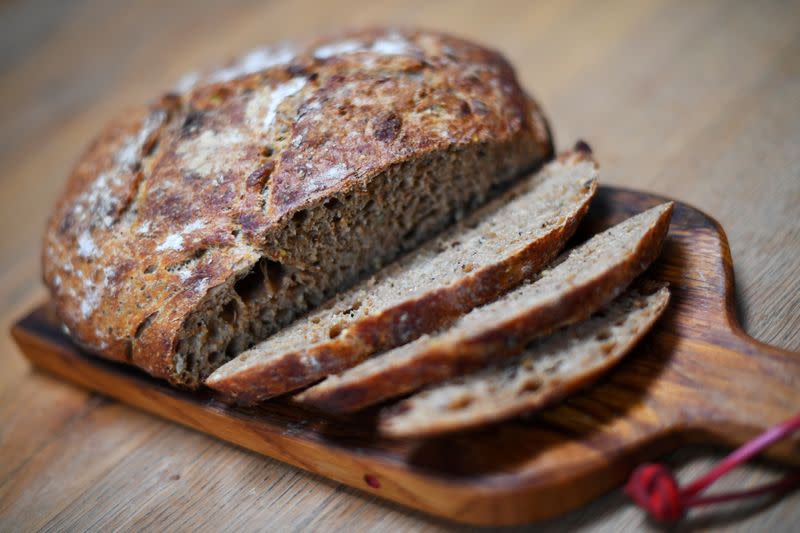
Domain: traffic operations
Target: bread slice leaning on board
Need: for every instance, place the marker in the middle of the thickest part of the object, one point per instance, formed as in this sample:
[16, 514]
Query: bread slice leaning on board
[549, 369]
[575, 286]
[471, 264]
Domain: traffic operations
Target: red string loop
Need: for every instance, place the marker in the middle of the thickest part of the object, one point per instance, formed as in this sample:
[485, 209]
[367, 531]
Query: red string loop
[654, 488]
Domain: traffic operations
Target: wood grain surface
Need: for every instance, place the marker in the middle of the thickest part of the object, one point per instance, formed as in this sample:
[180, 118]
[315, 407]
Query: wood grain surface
[695, 100]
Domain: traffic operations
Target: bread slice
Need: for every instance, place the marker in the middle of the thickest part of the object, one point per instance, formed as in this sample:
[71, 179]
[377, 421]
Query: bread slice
[579, 283]
[548, 370]
[473, 263]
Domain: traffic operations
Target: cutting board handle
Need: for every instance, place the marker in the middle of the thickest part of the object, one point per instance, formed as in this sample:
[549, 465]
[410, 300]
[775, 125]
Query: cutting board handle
[755, 386]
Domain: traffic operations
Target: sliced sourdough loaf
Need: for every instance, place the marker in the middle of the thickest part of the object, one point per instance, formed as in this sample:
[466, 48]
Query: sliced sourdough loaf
[198, 226]
[473, 263]
[577, 285]
[548, 370]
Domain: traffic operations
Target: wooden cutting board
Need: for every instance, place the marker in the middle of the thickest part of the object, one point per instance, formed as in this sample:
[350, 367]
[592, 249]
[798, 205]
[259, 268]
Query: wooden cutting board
[696, 378]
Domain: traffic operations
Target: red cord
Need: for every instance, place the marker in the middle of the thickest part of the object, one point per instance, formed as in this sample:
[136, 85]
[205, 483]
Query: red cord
[654, 488]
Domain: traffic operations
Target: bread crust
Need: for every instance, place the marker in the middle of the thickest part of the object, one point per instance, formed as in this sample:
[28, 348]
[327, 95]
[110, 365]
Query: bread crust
[177, 198]
[436, 359]
[413, 317]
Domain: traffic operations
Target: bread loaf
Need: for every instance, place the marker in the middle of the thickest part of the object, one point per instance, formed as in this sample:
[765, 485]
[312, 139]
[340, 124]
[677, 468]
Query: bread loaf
[200, 225]
[548, 370]
[473, 263]
[575, 286]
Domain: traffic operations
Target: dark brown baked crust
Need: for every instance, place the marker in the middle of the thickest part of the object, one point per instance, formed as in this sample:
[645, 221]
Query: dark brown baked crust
[437, 359]
[173, 200]
[397, 325]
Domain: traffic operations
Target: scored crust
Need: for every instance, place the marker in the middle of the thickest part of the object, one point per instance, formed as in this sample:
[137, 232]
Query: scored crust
[576, 285]
[473, 263]
[549, 369]
[194, 227]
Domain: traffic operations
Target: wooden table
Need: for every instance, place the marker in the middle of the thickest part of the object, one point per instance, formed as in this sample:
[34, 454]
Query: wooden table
[699, 101]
